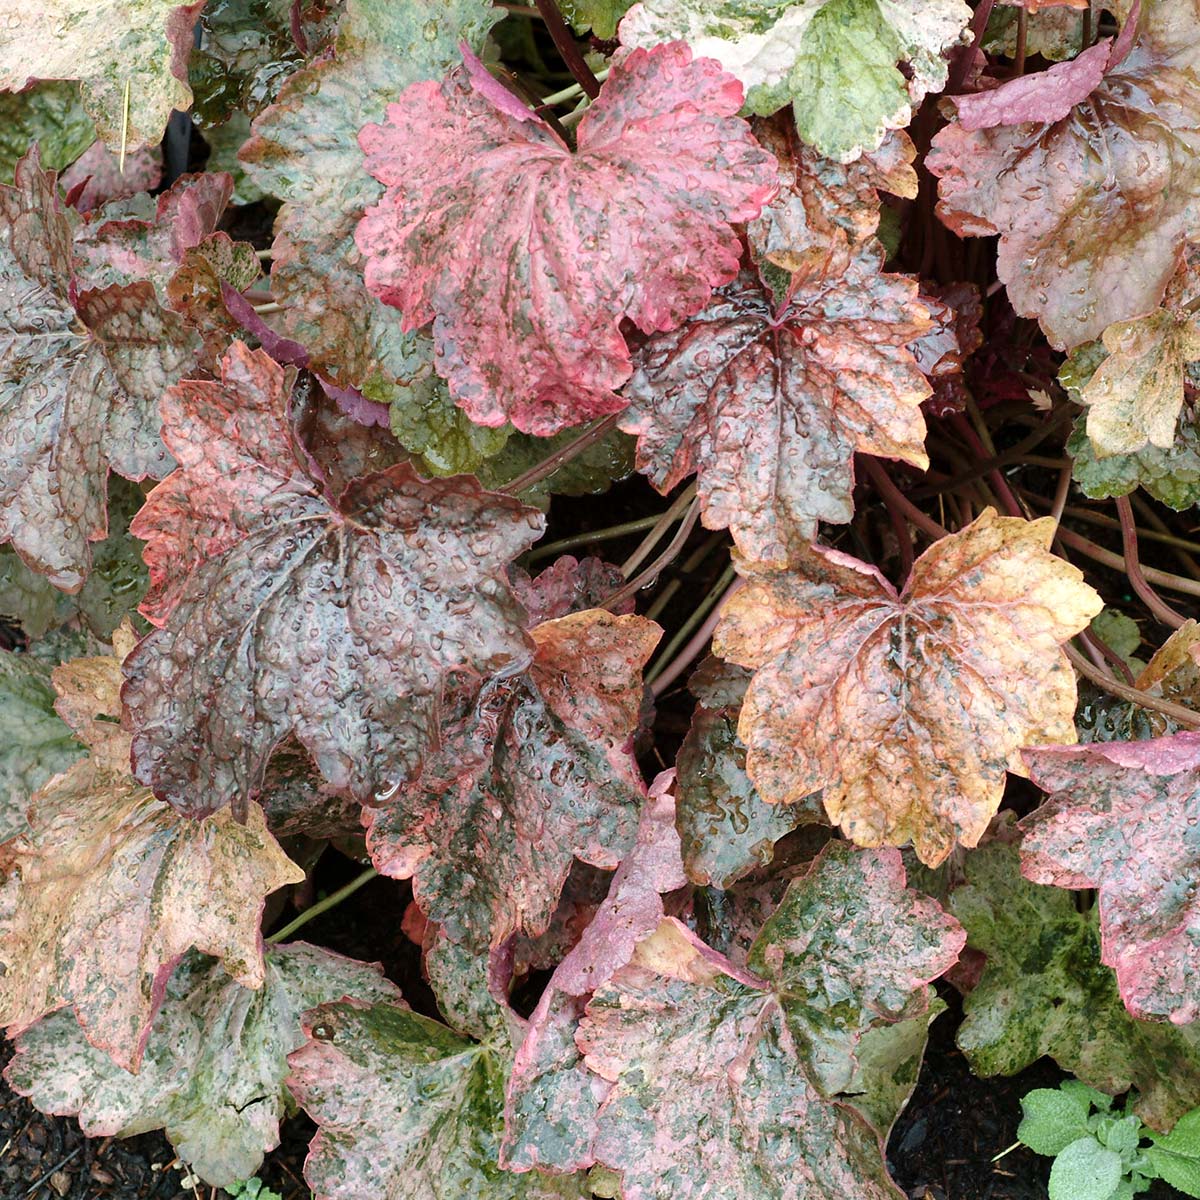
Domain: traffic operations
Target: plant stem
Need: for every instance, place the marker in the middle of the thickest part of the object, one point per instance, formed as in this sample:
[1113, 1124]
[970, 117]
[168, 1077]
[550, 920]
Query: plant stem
[564, 42]
[1161, 610]
[978, 446]
[660, 526]
[965, 56]
[1059, 504]
[330, 901]
[1022, 36]
[673, 662]
[1174, 583]
[652, 572]
[892, 494]
[265, 310]
[569, 93]
[564, 454]
[1107, 654]
[595, 535]
[1180, 715]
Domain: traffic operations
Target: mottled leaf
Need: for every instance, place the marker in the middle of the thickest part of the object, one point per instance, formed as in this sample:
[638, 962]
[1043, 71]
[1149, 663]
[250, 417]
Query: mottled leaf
[537, 770]
[405, 1109]
[726, 1083]
[81, 372]
[96, 176]
[130, 57]
[1056, 33]
[123, 248]
[768, 405]
[1125, 818]
[304, 151]
[109, 887]
[567, 586]
[49, 114]
[726, 827]
[213, 1071]
[550, 1106]
[34, 743]
[853, 68]
[527, 295]
[112, 590]
[426, 421]
[1092, 209]
[1044, 991]
[338, 616]
[907, 709]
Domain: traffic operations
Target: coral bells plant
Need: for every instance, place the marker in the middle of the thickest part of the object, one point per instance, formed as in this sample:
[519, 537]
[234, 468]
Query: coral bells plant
[693, 496]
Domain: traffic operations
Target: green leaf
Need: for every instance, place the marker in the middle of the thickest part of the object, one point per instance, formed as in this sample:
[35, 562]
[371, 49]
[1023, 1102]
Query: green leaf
[113, 590]
[1085, 1170]
[595, 470]
[50, 114]
[427, 422]
[34, 742]
[837, 61]
[600, 16]
[1044, 991]
[1175, 1156]
[1053, 1120]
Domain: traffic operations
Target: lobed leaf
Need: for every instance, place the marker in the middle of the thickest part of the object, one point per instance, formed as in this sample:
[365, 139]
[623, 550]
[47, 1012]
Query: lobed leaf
[1103, 827]
[81, 372]
[527, 296]
[130, 57]
[107, 889]
[907, 709]
[537, 771]
[213, 1072]
[1092, 209]
[340, 615]
[853, 69]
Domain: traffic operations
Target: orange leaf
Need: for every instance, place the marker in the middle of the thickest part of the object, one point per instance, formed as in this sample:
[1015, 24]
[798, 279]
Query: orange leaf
[907, 708]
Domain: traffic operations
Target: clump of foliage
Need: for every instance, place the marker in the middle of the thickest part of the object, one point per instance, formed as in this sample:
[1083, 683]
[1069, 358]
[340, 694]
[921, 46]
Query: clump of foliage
[1102, 1153]
[877, 327]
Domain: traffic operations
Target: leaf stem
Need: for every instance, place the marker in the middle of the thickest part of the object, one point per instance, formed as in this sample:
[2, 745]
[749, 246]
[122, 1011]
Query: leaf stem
[1022, 37]
[892, 495]
[321, 906]
[660, 526]
[652, 572]
[1107, 654]
[1161, 610]
[564, 42]
[265, 310]
[673, 661]
[564, 454]
[1180, 715]
[569, 93]
[966, 54]
[595, 535]
[1174, 583]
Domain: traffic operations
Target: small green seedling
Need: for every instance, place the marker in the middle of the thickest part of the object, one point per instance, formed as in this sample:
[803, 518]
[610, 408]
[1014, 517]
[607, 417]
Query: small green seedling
[252, 1189]
[1102, 1153]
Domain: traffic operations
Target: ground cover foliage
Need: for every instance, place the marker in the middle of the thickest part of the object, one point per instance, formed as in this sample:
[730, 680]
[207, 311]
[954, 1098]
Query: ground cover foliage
[893, 307]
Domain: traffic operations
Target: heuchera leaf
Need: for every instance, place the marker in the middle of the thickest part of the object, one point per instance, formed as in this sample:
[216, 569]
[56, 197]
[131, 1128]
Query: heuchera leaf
[600, 16]
[1092, 209]
[109, 887]
[338, 617]
[551, 1103]
[304, 151]
[49, 114]
[1044, 990]
[768, 404]
[1124, 817]
[527, 294]
[96, 177]
[405, 1108]
[34, 742]
[537, 771]
[726, 1083]
[213, 1071]
[839, 61]
[112, 590]
[130, 57]
[81, 372]
[908, 708]
[727, 828]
